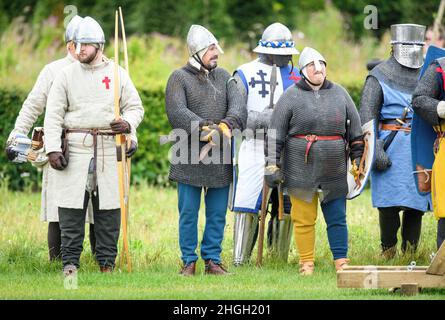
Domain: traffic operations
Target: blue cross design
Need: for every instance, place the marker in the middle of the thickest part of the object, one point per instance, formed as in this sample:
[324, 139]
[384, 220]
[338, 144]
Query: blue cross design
[262, 82]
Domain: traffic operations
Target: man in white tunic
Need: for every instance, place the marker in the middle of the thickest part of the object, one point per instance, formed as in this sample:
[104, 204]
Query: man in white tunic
[32, 108]
[81, 104]
[262, 81]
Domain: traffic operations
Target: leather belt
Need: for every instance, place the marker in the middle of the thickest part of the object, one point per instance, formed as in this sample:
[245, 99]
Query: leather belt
[312, 138]
[396, 121]
[94, 133]
[394, 127]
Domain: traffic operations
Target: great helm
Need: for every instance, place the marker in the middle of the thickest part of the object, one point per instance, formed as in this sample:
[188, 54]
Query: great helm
[199, 38]
[276, 39]
[407, 42]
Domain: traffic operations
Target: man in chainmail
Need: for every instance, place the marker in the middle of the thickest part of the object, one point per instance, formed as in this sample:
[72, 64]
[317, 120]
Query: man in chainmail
[386, 97]
[261, 81]
[202, 101]
[81, 104]
[431, 40]
[306, 152]
[32, 108]
[428, 102]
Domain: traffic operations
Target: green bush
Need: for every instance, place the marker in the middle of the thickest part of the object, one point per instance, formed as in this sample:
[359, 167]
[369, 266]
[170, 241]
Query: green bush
[228, 19]
[15, 176]
[355, 91]
[150, 163]
[389, 12]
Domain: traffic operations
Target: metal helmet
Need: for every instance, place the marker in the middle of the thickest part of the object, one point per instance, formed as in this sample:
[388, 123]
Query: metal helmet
[72, 27]
[309, 55]
[407, 42]
[276, 39]
[20, 147]
[199, 38]
[88, 31]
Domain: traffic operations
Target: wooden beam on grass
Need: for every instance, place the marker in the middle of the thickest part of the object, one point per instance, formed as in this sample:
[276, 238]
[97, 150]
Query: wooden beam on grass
[437, 266]
[375, 278]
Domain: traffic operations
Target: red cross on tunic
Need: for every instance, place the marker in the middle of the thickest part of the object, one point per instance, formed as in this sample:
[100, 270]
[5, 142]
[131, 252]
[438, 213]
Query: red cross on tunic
[107, 81]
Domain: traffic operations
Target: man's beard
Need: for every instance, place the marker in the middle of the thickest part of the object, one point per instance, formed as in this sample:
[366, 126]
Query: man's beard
[211, 65]
[88, 59]
[279, 60]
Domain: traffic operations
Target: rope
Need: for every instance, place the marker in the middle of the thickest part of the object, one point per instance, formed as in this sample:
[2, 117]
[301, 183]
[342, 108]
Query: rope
[426, 173]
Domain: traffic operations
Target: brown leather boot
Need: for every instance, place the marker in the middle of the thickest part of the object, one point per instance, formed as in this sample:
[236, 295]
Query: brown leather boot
[341, 263]
[307, 268]
[389, 252]
[106, 269]
[215, 269]
[188, 270]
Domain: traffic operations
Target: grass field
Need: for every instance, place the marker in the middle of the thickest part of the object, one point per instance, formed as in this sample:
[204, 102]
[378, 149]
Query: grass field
[25, 272]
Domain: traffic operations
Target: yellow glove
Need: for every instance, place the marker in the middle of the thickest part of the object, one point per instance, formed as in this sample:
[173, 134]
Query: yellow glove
[354, 170]
[209, 133]
[357, 174]
[225, 130]
[215, 132]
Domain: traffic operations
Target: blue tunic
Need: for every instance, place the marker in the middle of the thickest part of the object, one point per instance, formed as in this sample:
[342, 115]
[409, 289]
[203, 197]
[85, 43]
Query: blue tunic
[395, 186]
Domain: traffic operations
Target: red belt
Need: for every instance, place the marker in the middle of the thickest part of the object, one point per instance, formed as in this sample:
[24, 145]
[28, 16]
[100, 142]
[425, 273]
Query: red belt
[311, 138]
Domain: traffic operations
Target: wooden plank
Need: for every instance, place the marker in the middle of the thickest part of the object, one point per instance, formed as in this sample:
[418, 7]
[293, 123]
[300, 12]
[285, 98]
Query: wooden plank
[437, 266]
[409, 289]
[377, 279]
[378, 268]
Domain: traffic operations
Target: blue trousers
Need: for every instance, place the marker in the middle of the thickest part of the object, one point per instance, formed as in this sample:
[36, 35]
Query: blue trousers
[334, 213]
[189, 201]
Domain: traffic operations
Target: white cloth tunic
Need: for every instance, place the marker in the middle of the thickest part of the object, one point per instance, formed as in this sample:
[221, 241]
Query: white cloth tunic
[256, 78]
[32, 108]
[82, 97]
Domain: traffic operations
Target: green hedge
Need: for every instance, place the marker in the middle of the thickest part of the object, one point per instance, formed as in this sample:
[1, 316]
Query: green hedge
[150, 163]
[17, 176]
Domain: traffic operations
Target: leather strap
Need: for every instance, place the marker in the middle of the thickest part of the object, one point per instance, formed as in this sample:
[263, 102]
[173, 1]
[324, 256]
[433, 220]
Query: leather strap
[394, 127]
[94, 133]
[396, 121]
[91, 131]
[312, 138]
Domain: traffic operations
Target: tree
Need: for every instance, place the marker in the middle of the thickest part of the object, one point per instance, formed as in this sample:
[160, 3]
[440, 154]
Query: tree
[389, 12]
